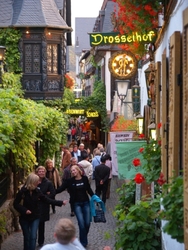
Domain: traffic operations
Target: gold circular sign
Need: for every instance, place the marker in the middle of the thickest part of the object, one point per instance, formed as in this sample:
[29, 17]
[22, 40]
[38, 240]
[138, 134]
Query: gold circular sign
[123, 65]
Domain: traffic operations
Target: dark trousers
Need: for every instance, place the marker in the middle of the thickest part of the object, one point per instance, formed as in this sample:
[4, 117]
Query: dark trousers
[108, 189]
[102, 189]
[53, 208]
[41, 232]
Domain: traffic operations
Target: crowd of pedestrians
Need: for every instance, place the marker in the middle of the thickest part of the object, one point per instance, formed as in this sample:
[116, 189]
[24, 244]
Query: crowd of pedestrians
[78, 168]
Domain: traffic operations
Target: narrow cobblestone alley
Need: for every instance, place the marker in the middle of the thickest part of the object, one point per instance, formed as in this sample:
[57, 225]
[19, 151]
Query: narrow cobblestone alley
[100, 234]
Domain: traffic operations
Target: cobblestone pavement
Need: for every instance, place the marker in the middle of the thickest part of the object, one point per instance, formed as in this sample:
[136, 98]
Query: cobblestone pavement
[100, 234]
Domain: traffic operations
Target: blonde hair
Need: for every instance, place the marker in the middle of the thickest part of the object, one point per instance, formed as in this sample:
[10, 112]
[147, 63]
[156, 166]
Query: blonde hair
[77, 168]
[31, 181]
[65, 231]
[39, 168]
[48, 161]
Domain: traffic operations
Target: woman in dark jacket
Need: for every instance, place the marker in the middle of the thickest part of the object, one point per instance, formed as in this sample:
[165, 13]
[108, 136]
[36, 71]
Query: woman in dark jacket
[46, 187]
[79, 188]
[27, 203]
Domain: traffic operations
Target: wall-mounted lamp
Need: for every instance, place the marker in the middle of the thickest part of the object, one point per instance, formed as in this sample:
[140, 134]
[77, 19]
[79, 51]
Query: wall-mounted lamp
[152, 131]
[140, 123]
[136, 99]
[2, 53]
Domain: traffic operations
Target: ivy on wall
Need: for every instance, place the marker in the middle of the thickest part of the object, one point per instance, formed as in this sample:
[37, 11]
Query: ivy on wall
[9, 38]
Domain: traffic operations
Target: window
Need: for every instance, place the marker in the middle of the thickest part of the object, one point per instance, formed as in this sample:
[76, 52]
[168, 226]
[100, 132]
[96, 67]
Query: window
[32, 62]
[52, 58]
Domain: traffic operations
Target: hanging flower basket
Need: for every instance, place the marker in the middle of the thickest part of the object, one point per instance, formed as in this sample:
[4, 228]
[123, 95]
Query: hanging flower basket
[135, 16]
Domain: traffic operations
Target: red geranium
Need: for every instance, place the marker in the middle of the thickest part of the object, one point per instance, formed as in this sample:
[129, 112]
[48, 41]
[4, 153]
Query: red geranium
[141, 150]
[139, 178]
[141, 136]
[161, 179]
[136, 162]
[159, 142]
[159, 125]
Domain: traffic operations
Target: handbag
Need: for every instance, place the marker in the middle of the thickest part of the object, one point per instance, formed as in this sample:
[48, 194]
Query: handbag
[100, 216]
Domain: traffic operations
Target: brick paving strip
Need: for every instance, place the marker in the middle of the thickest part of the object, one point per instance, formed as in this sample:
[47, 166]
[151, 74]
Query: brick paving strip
[100, 234]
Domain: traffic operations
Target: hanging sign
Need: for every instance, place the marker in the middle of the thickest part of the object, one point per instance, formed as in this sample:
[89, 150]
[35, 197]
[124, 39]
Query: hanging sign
[126, 152]
[122, 65]
[75, 111]
[97, 39]
[92, 114]
[118, 137]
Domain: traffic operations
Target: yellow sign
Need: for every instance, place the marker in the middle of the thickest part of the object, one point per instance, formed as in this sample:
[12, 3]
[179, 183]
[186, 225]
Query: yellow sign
[123, 65]
[92, 114]
[115, 38]
[75, 111]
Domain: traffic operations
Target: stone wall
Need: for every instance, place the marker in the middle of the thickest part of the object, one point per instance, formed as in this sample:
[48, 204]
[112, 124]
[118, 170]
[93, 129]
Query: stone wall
[8, 221]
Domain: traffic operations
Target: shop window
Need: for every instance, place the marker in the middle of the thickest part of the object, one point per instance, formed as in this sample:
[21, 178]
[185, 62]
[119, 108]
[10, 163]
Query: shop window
[52, 58]
[32, 61]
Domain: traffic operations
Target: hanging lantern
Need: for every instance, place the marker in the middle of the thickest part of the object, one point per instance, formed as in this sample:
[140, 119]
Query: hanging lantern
[140, 122]
[136, 99]
[152, 131]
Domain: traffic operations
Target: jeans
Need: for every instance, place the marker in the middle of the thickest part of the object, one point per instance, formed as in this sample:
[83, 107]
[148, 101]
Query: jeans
[29, 229]
[82, 212]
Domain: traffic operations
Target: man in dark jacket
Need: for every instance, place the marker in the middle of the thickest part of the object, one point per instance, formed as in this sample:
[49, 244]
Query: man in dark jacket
[102, 173]
[47, 189]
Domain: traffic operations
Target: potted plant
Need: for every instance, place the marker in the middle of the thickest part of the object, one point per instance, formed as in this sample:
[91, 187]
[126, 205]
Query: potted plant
[172, 201]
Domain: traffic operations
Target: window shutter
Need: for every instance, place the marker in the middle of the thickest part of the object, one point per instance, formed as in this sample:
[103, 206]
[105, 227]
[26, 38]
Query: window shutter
[185, 124]
[174, 104]
[164, 117]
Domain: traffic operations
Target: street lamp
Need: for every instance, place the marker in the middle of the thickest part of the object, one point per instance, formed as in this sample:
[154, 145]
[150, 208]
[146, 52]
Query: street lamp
[122, 88]
[140, 122]
[152, 131]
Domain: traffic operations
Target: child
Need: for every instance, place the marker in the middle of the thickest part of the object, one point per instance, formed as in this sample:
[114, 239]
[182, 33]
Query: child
[65, 233]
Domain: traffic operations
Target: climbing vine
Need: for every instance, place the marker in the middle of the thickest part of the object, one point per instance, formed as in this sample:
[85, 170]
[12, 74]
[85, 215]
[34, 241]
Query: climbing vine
[9, 38]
